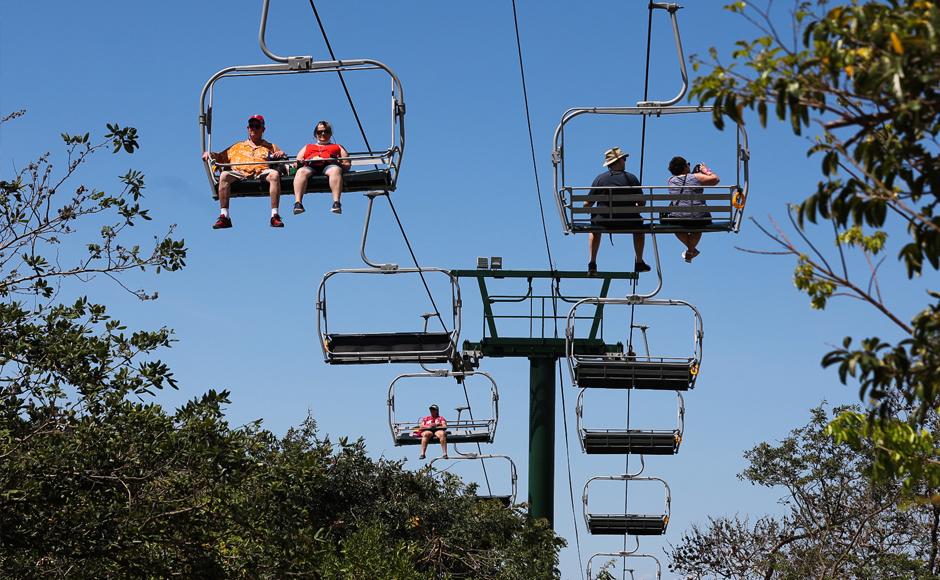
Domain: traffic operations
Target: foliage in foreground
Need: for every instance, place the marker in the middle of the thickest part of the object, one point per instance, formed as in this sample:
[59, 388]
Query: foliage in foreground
[126, 489]
[867, 75]
[99, 481]
[836, 522]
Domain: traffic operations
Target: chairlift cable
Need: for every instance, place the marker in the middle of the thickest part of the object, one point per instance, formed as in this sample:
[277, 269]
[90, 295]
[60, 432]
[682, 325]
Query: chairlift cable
[342, 79]
[564, 417]
[646, 86]
[365, 139]
[528, 120]
[414, 259]
[551, 265]
[486, 475]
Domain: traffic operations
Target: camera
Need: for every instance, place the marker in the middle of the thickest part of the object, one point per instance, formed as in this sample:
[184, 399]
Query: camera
[697, 168]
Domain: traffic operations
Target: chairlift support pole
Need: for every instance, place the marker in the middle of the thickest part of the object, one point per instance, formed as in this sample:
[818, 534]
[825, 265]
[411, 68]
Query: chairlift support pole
[542, 437]
[543, 353]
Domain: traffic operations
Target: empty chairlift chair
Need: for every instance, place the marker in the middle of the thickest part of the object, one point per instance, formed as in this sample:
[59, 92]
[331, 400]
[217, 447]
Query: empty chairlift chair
[416, 346]
[628, 523]
[376, 169]
[505, 499]
[460, 430]
[659, 567]
[635, 441]
[633, 371]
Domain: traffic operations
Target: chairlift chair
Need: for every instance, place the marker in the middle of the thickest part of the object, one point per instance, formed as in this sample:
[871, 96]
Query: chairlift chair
[473, 430]
[633, 524]
[634, 441]
[624, 554]
[507, 500]
[632, 371]
[418, 346]
[384, 163]
[725, 203]
[647, 204]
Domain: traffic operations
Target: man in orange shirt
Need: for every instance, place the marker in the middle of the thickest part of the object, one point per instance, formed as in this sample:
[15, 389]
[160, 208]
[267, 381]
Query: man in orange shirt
[248, 159]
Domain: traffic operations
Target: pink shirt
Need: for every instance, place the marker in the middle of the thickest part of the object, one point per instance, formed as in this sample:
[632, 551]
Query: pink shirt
[431, 421]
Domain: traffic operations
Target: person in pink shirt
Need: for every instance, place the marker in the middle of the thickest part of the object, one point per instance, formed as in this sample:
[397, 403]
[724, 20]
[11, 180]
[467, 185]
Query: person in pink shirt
[432, 426]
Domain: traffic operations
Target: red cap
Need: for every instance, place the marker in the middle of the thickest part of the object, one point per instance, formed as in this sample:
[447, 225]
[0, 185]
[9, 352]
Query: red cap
[256, 118]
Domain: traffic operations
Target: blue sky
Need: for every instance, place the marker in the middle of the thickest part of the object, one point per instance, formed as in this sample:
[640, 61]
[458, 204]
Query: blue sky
[244, 308]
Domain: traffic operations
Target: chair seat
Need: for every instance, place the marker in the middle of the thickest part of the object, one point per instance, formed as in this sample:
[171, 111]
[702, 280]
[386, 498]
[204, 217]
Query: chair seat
[505, 500]
[620, 524]
[621, 227]
[633, 374]
[380, 347]
[637, 442]
[362, 180]
[455, 436]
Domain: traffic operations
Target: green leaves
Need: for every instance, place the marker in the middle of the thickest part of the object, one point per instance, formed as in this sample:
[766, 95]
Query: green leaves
[122, 138]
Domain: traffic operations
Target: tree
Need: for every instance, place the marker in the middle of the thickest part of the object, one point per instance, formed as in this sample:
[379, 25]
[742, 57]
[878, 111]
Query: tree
[836, 523]
[97, 480]
[866, 75]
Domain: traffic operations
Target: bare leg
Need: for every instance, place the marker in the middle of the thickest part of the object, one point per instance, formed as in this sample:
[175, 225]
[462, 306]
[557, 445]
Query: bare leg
[336, 180]
[300, 183]
[226, 180]
[442, 437]
[694, 239]
[274, 184]
[639, 241]
[425, 437]
[684, 238]
[594, 241]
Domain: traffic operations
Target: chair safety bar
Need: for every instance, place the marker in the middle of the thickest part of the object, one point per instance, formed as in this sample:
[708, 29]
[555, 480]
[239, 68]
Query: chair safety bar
[633, 371]
[413, 346]
[634, 441]
[659, 567]
[633, 524]
[386, 162]
[726, 203]
[474, 430]
[507, 500]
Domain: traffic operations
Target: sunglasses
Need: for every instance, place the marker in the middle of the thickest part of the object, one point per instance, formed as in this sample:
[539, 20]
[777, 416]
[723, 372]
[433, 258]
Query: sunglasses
[322, 132]
[255, 126]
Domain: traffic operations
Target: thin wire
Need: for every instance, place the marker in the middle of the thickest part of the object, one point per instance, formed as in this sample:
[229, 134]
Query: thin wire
[528, 120]
[646, 86]
[486, 475]
[414, 259]
[342, 80]
[551, 265]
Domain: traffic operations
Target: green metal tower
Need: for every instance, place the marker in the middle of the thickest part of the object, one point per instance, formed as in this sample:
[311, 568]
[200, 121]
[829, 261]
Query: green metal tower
[543, 347]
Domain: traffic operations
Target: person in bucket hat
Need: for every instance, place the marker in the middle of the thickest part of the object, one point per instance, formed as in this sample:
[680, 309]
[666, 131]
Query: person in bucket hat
[613, 182]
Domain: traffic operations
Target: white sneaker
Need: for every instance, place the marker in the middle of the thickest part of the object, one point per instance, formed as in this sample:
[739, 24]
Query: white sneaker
[686, 257]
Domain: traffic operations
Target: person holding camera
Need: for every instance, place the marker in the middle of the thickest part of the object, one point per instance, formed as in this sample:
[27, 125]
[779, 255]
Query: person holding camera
[688, 180]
